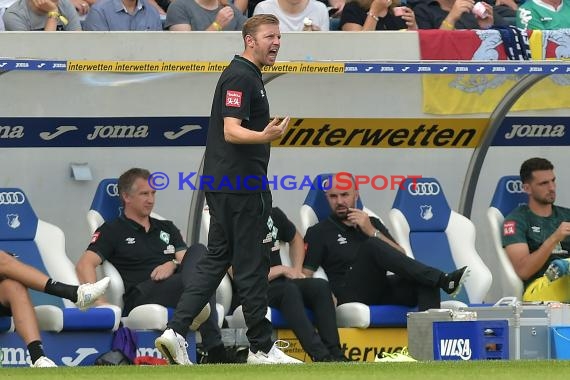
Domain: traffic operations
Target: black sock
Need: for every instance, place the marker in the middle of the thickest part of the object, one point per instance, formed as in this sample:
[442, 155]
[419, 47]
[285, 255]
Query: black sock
[61, 290]
[36, 350]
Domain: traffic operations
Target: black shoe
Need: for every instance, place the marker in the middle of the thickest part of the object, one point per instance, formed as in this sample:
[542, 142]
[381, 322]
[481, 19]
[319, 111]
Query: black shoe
[451, 282]
[217, 355]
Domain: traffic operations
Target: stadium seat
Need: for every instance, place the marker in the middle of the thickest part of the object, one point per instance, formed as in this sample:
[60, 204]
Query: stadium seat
[353, 314]
[42, 246]
[508, 195]
[106, 206]
[429, 231]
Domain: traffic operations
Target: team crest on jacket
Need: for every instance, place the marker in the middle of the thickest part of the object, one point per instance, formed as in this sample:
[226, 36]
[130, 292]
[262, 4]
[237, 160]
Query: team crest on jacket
[165, 237]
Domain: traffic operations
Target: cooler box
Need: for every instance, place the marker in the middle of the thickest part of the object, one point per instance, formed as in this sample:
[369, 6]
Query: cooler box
[420, 329]
[471, 340]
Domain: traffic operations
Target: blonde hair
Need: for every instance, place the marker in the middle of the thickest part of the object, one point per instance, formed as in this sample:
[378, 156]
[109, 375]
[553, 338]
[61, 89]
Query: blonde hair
[252, 24]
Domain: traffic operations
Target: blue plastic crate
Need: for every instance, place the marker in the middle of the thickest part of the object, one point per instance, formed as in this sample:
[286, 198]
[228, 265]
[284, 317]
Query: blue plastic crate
[471, 340]
[560, 342]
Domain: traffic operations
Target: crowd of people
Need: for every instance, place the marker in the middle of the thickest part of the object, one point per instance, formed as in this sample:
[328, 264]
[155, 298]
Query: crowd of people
[294, 15]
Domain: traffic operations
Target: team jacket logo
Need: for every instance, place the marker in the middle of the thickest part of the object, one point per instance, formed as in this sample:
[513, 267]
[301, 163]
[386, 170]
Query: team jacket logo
[13, 220]
[514, 187]
[341, 239]
[455, 347]
[426, 212]
[164, 236]
[233, 98]
[423, 188]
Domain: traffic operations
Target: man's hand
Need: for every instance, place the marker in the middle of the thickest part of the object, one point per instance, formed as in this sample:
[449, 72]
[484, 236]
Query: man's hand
[81, 6]
[487, 22]
[460, 7]
[45, 6]
[361, 219]
[224, 16]
[163, 271]
[276, 128]
[292, 273]
[562, 232]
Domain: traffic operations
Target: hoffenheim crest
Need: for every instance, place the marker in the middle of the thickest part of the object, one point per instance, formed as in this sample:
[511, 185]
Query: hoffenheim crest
[13, 220]
[426, 212]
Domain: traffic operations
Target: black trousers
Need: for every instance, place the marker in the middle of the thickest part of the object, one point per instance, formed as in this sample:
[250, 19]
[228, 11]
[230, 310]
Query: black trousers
[291, 297]
[238, 237]
[413, 283]
[168, 292]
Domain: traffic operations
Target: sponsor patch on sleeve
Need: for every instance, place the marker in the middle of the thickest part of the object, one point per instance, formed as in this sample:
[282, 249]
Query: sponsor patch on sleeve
[95, 236]
[509, 228]
[233, 98]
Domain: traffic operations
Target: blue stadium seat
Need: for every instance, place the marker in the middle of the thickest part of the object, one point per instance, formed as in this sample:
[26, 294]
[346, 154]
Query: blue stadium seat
[508, 195]
[353, 314]
[426, 227]
[42, 245]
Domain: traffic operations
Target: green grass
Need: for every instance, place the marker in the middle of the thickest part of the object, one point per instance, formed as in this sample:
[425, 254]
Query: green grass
[516, 370]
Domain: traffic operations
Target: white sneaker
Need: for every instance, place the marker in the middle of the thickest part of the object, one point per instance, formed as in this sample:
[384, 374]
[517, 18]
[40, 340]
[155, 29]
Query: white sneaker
[201, 318]
[43, 362]
[87, 294]
[402, 356]
[274, 356]
[172, 346]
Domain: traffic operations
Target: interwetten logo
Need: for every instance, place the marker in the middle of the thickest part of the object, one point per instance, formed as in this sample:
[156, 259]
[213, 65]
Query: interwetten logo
[344, 181]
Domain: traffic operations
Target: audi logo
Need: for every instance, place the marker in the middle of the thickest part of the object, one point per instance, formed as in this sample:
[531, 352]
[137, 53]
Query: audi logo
[423, 188]
[514, 186]
[113, 190]
[12, 198]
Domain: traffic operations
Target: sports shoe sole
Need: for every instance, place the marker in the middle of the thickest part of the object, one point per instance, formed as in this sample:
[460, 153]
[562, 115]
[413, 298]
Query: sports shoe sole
[160, 344]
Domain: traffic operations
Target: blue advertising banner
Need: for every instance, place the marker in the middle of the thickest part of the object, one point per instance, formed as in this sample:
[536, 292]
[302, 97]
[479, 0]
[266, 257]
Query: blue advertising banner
[533, 131]
[79, 348]
[102, 131]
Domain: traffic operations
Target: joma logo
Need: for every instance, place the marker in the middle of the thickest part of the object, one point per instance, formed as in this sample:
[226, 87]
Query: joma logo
[536, 130]
[118, 132]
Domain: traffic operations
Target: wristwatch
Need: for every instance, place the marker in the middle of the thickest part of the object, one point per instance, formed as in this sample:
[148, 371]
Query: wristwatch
[377, 234]
[176, 262]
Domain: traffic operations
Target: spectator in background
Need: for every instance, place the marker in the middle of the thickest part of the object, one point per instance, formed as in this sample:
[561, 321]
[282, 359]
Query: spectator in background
[366, 15]
[36, 15]
[454, 14]
[544, 14]
[204, 15]
[122, 15]
[296, 15]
